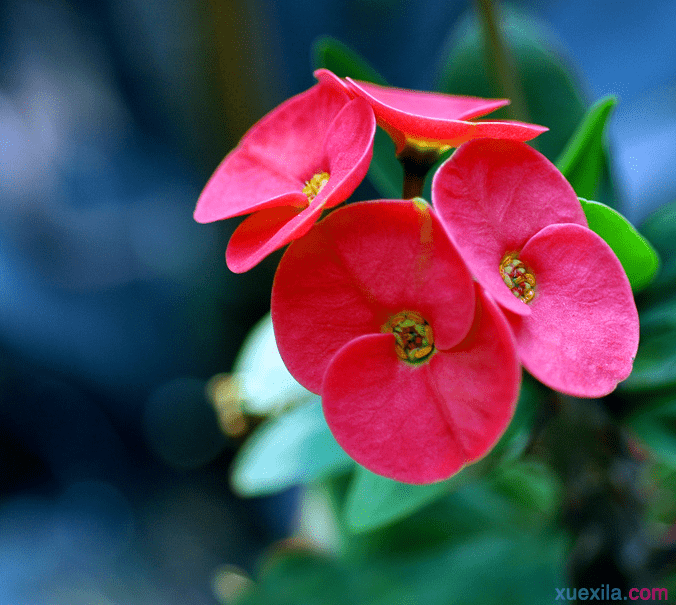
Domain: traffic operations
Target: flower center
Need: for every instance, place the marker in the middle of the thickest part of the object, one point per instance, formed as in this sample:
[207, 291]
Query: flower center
[315, 185]
[518, 278]
[413, 337]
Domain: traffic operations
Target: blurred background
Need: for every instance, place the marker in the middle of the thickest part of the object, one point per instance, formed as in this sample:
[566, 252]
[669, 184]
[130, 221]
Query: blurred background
[116, 307]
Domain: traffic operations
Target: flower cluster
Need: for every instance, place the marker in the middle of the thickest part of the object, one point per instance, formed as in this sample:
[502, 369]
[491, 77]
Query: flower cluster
[413, 321]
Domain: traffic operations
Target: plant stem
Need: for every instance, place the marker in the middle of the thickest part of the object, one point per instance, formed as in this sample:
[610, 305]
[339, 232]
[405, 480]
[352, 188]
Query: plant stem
[416, 163]
[499, 58]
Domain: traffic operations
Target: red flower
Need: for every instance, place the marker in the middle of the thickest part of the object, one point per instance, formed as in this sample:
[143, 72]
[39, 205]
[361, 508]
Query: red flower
[308, 154]
[521, 230]
[375, 310]
[431, 120]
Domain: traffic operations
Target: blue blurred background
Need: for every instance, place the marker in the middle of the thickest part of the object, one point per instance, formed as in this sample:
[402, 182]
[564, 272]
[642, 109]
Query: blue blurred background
[116, 307]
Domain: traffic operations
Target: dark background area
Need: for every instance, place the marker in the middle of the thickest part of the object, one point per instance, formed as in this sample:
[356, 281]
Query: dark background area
[116, 307]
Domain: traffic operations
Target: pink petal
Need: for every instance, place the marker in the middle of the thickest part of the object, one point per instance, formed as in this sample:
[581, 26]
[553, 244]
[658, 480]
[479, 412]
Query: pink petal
[485, 375]
[275, 157]
[493, 196]
[582, 334]
[328, 77]
[423, 424]
[416, 103]
[348, 148]
[426, 104]
[435, 117]
[266, 231]
[352, 271]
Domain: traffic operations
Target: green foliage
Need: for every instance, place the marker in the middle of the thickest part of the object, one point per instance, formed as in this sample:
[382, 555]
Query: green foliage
[331, 54]
[655, 363]
[309, 578]
[264, 383]
[470, 510]
[385, 171]
[506, 569]
[532, 485]
[639, 259]
[294, 448]
[551, 94]
[655, 424]
[660, 229]
[584, 160]
[374, 501]
[482, 550]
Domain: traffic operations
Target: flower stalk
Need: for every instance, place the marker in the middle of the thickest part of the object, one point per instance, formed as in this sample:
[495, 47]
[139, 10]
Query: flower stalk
[416, 163]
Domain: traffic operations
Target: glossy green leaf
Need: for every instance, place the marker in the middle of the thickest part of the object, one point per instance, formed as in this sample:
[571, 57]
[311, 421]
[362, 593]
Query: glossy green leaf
[552, 94]
[639, 259]
[655, 363]
[293, 449]
[373, 501]
[583, 160]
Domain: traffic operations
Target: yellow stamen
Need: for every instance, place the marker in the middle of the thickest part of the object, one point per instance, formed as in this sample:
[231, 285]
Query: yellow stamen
[517, 277]
[315, 185]
[413, 337]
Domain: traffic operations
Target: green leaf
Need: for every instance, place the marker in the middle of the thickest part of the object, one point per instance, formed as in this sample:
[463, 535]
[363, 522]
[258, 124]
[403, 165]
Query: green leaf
[510, 569]
[639, 259]
[264, 383]
[310, 578]
[506, 568]
[553, 96]
[583, 160]
[295, 448]
[660, 229]
[655, 363]
[532, 485]
[473, 537]
[331, 54]
[518, 434]
[373, 501]
[656, 427]
[385, 172]
[455, 517]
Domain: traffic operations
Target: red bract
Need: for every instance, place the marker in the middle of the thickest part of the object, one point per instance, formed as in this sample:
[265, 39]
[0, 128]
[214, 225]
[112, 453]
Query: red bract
[375, 310]
[308, 154]
[522, 232]
[432, 120]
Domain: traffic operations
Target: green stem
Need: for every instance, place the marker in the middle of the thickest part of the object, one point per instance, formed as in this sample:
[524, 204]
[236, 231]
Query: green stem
[416, 164]
[498, 56]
